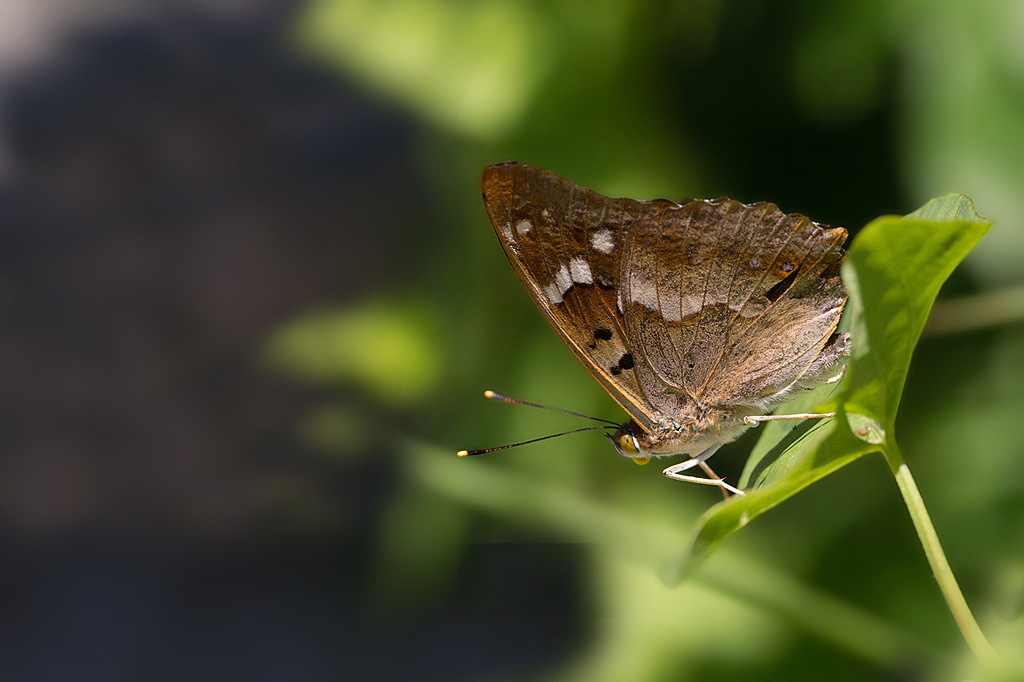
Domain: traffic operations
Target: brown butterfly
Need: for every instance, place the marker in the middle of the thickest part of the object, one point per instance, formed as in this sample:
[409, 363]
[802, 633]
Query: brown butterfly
[697, 317]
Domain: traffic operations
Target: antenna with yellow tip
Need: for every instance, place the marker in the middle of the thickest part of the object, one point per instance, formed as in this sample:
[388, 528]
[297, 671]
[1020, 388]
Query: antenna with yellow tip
[492, 395]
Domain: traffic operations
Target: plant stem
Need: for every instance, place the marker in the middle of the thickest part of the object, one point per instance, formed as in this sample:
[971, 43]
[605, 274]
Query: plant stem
[937, 559]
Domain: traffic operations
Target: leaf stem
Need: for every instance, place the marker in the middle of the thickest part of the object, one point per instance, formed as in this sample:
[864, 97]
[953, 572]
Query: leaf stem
[937, 559]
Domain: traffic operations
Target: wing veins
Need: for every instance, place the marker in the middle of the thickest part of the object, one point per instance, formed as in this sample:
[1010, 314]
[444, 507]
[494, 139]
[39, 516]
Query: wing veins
[810, 238]
[704, 297]
[718, 361]
[657, 292]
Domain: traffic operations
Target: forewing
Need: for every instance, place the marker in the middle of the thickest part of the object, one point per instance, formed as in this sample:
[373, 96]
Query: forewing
[565, 243]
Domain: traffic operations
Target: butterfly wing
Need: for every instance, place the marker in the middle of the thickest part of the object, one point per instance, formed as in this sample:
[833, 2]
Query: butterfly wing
[565, 243]
[766, 357]
[712, 303]
[727, 303]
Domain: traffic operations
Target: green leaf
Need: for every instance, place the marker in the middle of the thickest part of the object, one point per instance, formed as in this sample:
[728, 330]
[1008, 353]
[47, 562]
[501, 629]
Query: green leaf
[764, 457]
[799, 460]
[894, 271]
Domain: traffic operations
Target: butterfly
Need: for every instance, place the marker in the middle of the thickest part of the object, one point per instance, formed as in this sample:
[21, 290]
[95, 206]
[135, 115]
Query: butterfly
[696, 317]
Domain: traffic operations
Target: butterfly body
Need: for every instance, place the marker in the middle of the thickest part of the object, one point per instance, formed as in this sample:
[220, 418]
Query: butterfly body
[684, 434]
[692, 315]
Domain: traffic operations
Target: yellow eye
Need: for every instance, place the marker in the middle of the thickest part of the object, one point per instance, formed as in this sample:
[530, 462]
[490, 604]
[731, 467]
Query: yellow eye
[626, 443]
[642, 460]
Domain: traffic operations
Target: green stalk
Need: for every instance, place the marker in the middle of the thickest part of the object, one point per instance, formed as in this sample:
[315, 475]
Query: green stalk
[937, 558]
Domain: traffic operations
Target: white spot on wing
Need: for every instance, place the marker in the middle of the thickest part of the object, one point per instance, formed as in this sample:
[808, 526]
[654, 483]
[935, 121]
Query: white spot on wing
[563, 280]
[602, 240]
[691, 305]
[524, 226]
[546, 213]
[551, 291]
[644, 292]
[580, 271]
[671, 309]
[507, 231]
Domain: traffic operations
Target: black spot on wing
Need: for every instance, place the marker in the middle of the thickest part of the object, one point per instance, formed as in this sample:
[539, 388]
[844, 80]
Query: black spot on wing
[776, 292]
[625, 362]
[603, 334]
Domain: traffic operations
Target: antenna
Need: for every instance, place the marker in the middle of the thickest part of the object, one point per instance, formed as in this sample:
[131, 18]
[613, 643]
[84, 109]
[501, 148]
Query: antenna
[515, 401]
[470, 453]
[492, 395]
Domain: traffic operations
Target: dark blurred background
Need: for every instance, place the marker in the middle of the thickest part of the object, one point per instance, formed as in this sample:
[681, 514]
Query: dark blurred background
[249, 300]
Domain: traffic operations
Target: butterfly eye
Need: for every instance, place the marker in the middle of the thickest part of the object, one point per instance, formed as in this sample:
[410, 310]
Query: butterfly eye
[642, 460]
[628, 444]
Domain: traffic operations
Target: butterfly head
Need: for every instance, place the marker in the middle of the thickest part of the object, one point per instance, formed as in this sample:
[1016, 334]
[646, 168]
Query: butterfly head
[627, 440]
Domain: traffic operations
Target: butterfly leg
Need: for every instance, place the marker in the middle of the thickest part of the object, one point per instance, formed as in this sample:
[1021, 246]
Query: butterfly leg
[704, 481]
[711, 474]
[673, 472]
[757, 419]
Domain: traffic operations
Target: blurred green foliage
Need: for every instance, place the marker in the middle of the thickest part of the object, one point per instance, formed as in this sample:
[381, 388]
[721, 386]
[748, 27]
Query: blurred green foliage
[845, 111]
[472, 67]
[386, 348]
